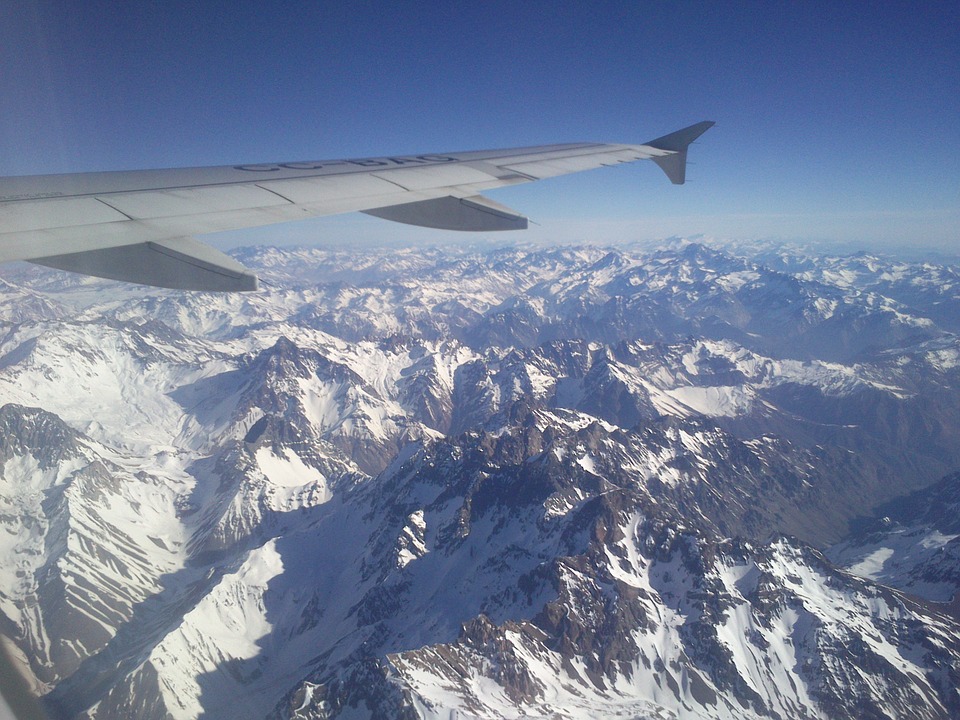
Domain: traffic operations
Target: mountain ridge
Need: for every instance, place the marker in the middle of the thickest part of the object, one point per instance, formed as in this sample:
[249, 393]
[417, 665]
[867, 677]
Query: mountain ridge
[563, 482]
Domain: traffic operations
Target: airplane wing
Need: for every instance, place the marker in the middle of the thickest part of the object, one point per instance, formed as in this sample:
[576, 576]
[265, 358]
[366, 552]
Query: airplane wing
[138, 226]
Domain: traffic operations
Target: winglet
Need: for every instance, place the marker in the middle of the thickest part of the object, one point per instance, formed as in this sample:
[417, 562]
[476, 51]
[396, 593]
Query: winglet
[675, 164]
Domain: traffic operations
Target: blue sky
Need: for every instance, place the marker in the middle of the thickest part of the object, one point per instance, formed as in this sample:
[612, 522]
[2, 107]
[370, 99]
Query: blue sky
[835, 121]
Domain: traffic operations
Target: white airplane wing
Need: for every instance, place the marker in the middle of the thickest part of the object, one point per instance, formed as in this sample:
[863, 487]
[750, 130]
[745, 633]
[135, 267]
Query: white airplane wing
[139, 226]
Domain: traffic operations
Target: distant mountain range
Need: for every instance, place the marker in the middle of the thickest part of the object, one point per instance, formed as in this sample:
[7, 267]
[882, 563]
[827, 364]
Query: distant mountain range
[575, 482]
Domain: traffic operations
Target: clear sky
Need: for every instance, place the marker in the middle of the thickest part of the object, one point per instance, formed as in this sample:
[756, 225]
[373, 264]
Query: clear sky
[835, 121]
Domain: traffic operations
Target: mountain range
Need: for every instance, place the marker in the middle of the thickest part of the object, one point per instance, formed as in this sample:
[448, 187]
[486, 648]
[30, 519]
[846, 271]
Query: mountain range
[673, 482]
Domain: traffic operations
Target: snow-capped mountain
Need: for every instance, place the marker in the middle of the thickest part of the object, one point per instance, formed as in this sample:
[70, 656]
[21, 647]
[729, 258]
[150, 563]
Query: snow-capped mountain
[912, 544]
[446, 483]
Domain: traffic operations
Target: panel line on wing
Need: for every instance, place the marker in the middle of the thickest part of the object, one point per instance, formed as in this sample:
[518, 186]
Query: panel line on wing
[394, 182]
[322, 189]
[436, 176]
[501, 173]
[128, 217]
[274, 192]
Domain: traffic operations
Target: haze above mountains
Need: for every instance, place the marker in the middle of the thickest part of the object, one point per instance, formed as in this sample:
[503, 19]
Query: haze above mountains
[570, 482]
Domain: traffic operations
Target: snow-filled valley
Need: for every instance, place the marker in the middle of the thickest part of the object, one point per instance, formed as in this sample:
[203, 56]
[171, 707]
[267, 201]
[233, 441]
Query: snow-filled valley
[516, 482]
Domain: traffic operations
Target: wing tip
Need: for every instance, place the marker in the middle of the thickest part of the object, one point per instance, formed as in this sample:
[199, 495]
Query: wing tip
[680, 139]
[676, 143]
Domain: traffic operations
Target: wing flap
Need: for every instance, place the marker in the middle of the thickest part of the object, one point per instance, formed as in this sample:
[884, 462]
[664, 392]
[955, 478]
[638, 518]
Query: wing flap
[178, 263]
[476, 214]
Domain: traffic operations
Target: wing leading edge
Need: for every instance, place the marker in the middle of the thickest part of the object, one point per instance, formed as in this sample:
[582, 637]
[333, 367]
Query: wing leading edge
[138, 226]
